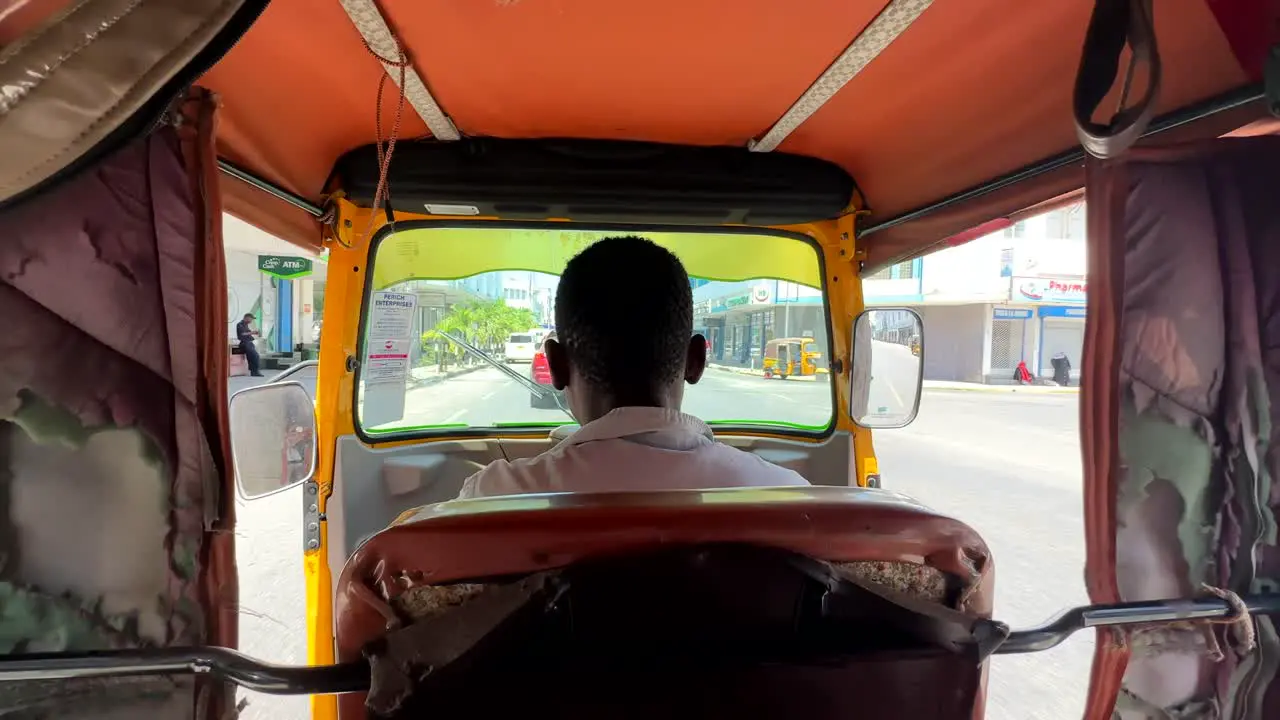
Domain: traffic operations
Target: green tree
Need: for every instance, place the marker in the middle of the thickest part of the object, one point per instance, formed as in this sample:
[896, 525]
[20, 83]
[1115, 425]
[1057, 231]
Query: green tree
[434, 342]
[485, 324]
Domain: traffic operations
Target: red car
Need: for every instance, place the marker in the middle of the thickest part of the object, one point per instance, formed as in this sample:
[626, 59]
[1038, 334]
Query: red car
[540, 372]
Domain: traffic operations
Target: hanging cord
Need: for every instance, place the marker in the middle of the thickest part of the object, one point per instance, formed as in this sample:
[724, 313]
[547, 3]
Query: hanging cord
[1240, 620]
[1193, 636]
[382, 194]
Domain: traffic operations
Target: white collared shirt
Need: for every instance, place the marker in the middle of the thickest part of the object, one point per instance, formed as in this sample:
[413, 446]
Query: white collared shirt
[632, 449]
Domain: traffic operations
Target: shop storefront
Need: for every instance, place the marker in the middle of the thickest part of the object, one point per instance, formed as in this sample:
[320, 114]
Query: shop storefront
[740, 318]
[269, 279]
[1060, 317]
[1009, 340]
[1061, 332]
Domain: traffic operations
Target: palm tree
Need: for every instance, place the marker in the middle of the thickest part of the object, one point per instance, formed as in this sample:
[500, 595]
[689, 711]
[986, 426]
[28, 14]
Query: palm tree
[484, 324]
[450, 324]
[491, 331]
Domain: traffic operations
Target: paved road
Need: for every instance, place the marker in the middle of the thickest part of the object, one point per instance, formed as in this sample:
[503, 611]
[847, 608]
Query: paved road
[1007, 463]
[486, 397]
[892, 390]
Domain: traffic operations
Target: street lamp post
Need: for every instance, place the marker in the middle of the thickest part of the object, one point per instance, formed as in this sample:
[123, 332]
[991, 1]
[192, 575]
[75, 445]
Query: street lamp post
[786, 311]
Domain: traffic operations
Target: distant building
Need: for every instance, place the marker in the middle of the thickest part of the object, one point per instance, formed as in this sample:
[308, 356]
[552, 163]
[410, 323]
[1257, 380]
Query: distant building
[1018, 295]
[739, 318]
[287, 311]
[484, 285]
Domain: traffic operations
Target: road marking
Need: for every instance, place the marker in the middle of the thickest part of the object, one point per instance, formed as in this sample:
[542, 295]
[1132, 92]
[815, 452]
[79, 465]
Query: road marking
[783, 397]
[896, 396]
[454, 417]
[488, 395]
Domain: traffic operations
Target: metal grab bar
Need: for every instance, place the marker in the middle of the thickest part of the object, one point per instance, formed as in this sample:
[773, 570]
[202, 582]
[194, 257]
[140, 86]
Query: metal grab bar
[222, 663]
[291, 370]
[1053, 632]
[251, 674]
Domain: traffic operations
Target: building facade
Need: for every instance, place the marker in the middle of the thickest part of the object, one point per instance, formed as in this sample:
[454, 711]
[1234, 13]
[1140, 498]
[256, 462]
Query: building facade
[286, 310]
[529, 290]
[1015, 296]
[739, 318]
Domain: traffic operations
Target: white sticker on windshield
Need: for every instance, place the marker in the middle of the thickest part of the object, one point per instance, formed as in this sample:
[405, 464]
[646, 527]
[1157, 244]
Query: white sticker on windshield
[392, 315]
[387, 358]
[388, 361]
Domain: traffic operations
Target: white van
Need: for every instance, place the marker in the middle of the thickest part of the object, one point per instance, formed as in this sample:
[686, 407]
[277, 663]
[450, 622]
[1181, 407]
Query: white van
[520, 348]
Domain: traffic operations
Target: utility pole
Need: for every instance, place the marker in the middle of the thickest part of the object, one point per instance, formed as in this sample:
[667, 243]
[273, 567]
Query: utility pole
[786, 312]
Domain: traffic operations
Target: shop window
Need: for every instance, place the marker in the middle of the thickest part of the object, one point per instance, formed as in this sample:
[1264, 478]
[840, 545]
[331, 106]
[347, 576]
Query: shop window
[1067, 223]
[1076, 221]
[1006, 344]
[1055, 224]
[1017, 230]
[901, 271]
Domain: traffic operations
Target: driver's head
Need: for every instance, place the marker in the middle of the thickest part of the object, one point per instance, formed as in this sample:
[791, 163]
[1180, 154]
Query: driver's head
[624, 326]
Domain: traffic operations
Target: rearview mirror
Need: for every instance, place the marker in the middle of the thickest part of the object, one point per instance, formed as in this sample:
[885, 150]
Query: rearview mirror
[886, 368]
[273, 429]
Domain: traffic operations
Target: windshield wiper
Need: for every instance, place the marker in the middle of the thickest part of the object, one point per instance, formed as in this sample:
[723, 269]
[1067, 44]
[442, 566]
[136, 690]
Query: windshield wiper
[540, 390]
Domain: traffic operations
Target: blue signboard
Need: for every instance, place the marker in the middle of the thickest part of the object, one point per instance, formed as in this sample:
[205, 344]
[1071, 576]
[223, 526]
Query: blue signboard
[1062, 311]
[1011, 314]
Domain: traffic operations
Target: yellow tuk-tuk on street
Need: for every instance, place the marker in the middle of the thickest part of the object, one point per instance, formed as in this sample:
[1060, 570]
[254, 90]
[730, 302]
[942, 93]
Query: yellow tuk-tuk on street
[790, 357]
[465, 151]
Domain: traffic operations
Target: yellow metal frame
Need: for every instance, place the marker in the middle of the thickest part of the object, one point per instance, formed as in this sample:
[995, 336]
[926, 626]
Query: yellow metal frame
[348, 265]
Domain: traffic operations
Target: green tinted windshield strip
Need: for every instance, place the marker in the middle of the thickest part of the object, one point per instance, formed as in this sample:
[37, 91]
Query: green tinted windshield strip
[552, 425]
[414, 428]
[773, 423]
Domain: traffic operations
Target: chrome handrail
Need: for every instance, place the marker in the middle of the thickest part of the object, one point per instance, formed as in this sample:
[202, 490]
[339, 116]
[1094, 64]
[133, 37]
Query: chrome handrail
[252, 674]
[222, 663]
[291, 370]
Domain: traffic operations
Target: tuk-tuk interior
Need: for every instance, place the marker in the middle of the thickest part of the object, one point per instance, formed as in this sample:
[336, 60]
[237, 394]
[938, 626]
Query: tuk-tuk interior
[435, 141]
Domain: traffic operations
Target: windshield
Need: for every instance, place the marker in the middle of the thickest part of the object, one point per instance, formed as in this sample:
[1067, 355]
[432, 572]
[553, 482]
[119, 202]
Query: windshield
[447, 302]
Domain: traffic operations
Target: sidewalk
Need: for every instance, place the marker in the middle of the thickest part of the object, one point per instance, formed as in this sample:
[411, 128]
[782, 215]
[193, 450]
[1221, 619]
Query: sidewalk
[944, 385]
[947, 385]
[424, 376]
[760, 373]
[418, 377]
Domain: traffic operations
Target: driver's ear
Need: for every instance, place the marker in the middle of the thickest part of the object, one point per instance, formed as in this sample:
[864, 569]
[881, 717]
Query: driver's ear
[695, 361]
[558, 363]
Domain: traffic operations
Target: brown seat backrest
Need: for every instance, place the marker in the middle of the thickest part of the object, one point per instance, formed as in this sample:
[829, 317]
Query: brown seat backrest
[879, 532]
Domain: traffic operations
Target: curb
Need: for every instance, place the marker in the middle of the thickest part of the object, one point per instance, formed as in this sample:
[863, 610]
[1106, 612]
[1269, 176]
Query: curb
[760, 373]
[415, 383]
[1005, 389]
[1026, 390]
[737, 370]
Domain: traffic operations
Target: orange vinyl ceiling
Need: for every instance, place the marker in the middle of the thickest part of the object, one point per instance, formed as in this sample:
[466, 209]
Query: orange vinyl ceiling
[972, 90]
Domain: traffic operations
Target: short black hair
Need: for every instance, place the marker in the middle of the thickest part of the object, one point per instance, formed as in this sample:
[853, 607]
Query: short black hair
[247, 316]
[624, 314]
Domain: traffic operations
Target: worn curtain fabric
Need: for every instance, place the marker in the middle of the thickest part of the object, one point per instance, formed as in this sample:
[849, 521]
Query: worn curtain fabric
[116, 531]
[1179, 419]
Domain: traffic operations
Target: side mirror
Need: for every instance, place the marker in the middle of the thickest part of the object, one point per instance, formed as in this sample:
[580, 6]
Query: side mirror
[273, 438]
[886, 368]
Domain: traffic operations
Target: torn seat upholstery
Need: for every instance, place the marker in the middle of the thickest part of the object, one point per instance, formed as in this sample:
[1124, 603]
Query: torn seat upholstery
[636, 604]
